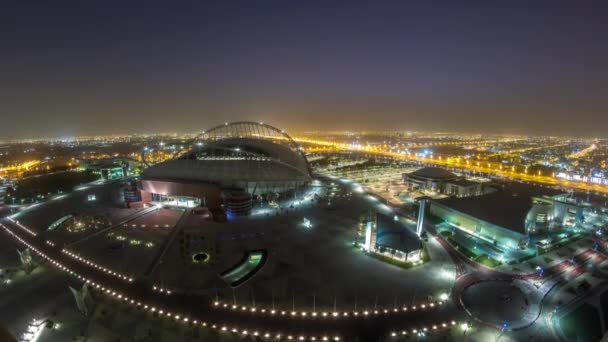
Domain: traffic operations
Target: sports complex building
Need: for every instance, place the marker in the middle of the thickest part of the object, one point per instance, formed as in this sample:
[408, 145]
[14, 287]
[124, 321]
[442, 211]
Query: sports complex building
[231, 165]
[438, 180]
[512, 216]
[110, 168]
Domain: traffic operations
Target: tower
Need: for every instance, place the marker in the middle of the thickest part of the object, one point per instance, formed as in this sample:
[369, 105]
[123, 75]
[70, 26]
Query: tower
[420, 223]
[370, 232]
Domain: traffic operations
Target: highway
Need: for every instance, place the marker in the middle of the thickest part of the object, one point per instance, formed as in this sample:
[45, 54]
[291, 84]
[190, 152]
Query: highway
[461, 164]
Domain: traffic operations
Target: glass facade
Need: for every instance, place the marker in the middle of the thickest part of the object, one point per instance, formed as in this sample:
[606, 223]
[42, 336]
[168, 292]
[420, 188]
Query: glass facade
[177, 201]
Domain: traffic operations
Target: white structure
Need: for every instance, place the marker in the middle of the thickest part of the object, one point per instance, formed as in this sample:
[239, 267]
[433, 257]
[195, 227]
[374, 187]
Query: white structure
[368, 237]
[27, 260]
[83, 298]
[420, 223]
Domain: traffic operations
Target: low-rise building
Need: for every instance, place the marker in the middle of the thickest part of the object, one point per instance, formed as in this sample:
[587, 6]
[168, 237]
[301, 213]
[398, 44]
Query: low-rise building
[382, 234]
[509, 216]
[107, 169]
[438, 180]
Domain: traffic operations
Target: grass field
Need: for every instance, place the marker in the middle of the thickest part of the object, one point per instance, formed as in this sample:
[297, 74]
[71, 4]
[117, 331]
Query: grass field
[488, 261]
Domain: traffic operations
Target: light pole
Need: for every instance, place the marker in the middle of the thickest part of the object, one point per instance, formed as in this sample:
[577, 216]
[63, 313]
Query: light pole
[465, 327]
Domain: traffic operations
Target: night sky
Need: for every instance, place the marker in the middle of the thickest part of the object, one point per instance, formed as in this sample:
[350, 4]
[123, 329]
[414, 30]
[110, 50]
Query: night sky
[69, 68]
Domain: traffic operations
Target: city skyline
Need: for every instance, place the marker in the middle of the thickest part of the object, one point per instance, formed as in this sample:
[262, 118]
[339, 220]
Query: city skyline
[73, 69]
[188, 134]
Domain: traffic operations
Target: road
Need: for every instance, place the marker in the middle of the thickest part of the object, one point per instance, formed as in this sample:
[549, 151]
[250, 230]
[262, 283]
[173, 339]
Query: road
[461, 164]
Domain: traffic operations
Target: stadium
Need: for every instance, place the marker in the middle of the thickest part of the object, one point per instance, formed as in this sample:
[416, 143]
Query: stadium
[232, 164]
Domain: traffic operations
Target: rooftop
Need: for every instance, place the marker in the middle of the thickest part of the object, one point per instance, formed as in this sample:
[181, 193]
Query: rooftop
[223, 171]
[394, 235]
[507, 207]
[433, 173]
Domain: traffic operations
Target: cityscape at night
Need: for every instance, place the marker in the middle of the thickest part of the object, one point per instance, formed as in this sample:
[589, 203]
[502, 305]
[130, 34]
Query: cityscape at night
[303, 171]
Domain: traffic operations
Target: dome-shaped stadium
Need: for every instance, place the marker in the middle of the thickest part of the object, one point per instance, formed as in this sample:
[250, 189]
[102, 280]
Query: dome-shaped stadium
[226, 162]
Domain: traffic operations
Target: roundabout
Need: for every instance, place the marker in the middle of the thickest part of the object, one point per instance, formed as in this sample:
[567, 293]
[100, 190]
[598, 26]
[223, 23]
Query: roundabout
[501, 302]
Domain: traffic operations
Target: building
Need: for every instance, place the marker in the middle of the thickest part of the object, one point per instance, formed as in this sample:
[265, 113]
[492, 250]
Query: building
[461, 187]
[438, 180]
[396, 241]
[131, 194]
[228, 166]
[553, 213]
[108, 169]
[508, 216]
[237, 203]
[382, 234]
[2, 194]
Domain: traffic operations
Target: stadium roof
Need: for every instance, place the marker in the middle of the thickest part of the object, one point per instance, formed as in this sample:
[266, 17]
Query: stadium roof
[236, 152]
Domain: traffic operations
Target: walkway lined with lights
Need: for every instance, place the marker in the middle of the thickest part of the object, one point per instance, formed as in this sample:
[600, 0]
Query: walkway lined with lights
[18, 224]
[331, 314]
[97, 266]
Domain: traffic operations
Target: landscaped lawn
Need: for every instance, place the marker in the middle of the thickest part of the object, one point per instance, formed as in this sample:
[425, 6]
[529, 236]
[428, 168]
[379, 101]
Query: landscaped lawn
[487, 261]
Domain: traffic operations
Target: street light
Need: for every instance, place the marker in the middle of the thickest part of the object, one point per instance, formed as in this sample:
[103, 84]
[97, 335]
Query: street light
[465, 327]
